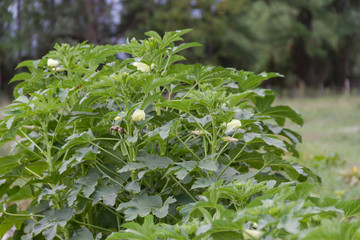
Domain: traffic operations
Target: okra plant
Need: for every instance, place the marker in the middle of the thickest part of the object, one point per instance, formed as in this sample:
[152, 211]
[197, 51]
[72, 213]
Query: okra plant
[95, 142]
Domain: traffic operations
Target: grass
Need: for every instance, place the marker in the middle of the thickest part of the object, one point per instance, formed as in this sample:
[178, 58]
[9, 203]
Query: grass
[332, 124]
[331, 136]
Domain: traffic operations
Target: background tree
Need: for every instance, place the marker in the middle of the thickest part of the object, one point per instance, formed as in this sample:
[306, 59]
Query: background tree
[312, 42]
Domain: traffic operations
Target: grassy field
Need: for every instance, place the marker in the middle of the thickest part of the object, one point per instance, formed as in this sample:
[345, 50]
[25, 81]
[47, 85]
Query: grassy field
[331, 136]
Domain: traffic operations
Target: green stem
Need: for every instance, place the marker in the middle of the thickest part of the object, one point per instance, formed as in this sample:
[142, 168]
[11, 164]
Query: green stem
[48, 147]
[23, 215]
[259, 171]
[102, 149]
[188, 148]
[186, 191]
[41, 157]
[57, 125]
[28, 138]
[214, 138]
[112, 139]
[201, 127]
[108, 176]
[228, 165]
[34, 173]
[115, 173]
[90, 225]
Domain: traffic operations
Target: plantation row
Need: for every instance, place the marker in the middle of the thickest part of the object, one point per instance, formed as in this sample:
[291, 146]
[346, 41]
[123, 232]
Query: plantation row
[143, 148]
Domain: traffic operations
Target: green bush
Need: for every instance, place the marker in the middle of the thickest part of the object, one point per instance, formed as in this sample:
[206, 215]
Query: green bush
[102, 145]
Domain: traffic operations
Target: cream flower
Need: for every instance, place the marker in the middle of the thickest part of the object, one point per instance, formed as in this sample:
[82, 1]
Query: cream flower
[252, 234]
[229, 139]
[235, 123]
[117, 118]
[52, 62]
[138, 115]
[141, 66]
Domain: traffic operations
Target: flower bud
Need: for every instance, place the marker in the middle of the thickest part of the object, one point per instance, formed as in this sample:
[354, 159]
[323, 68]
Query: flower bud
[235, 123]
[52, 63]
[32, 128]
[117, 129]
[229, 139]
[138, 115]
[117, 118]
[252, 234]
[141, 66]
[198, 132]
[60, 69]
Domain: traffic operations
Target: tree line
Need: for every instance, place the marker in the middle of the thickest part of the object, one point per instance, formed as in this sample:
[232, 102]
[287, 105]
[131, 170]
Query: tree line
[314, 43]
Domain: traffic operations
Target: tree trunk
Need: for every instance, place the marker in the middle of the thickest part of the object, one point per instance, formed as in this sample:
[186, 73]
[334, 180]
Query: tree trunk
[302, 63]
[18, 23]
[91, 17]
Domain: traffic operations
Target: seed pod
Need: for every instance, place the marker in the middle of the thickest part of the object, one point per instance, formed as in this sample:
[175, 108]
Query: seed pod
[32, 128]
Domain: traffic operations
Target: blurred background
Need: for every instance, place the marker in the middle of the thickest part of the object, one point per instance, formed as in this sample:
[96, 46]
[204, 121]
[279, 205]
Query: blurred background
[314, 43]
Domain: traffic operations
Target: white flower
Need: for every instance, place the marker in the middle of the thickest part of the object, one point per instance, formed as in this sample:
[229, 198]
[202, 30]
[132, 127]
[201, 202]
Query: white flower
[152, 66]
[141, 66]
[235, 123]
[252, 234]
[229, 139]
[117, 118]
[138, 115]
[52, 63]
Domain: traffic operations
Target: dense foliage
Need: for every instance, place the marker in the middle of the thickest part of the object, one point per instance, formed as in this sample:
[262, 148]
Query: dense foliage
[313, 42]
[144, 148]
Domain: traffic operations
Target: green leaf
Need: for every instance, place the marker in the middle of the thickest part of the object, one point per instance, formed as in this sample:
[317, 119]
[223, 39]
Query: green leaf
[150, 162]
[203, 182]
[147, 231]
[150, 99]
[8, 162]
[107, 194]
[274, 142]
[333, 230]
[21, 76]
[133, 187]
[142, 205]
[284, 112]
[208, 165]
[28, 63]
[289, 223]
[52, 219]
[10, 221]
[63, 94]
[185, 46]
[77, 139]
[249, 80]
[82, 234]
[170, 37]
[154, 35]
[163, 131]
[350, 207]
[182, 105]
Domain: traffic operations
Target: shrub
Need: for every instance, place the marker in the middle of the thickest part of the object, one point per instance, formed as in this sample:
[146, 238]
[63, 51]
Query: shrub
[98, 142]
